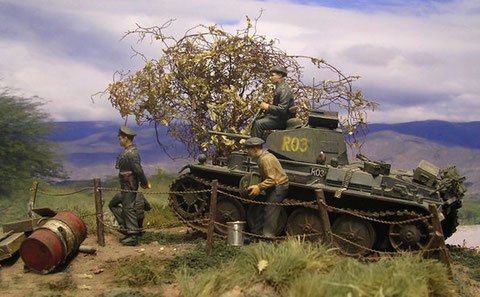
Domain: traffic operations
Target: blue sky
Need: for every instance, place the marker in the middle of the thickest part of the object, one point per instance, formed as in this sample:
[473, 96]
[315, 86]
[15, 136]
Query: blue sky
[419, 59]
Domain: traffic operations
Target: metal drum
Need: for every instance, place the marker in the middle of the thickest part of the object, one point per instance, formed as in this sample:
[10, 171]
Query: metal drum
[50, 244]
[235, 235]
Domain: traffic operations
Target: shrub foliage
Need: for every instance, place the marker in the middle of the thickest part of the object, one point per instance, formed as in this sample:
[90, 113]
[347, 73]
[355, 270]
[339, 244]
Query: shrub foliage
[210, 79]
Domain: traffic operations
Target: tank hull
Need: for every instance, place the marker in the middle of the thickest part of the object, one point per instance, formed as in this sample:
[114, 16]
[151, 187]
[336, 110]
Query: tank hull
[392, 197]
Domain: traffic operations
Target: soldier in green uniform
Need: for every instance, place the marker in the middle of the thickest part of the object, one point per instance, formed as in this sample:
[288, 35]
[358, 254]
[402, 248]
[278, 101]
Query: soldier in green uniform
[124, 204]
[276, 114]
[274, 182]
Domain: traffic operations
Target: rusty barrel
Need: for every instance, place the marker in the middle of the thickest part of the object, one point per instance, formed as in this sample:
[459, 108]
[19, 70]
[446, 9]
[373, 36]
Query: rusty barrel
[50, 244]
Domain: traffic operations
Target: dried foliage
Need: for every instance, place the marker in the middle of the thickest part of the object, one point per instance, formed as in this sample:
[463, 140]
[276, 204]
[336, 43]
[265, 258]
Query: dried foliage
[210, 79]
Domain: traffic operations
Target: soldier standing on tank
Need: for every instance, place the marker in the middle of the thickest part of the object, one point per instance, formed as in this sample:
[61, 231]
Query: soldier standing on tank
[123, 204]
[274, 182]
[276, 114]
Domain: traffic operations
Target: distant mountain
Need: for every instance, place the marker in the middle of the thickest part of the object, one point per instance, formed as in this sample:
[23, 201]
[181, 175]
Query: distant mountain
[447, 133]
[91, 147]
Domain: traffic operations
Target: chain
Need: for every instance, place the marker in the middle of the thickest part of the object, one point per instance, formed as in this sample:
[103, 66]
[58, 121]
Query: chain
[160, 226]
[267, 237]
[370, 218]
[154, 193]
[382, 252]
[209, 184]
[266, 203]
[64, 194]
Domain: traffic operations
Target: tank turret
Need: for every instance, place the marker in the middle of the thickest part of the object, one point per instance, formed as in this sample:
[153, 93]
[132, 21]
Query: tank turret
[308, 143]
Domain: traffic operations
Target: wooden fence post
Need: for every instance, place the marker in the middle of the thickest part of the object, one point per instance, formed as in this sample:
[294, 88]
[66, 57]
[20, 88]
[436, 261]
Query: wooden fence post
[33, 198]
[213, 211]
[327, 229]
[99, 211]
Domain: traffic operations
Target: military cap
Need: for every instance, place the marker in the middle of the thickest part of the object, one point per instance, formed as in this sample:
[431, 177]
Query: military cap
[279, 69]
[124, 130]
[254, 141]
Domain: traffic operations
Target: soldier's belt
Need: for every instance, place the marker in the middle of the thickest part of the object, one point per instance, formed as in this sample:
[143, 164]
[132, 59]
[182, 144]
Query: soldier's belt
[125, 174]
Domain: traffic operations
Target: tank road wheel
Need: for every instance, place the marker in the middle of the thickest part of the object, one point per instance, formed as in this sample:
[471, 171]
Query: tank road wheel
[355, 230]
[305, 221]
[188, 205]
[228, 210]
[412, 236]
[254, 211]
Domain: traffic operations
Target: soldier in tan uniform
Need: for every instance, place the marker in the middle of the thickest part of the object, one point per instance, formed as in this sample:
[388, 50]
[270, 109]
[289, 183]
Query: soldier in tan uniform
[274, 182]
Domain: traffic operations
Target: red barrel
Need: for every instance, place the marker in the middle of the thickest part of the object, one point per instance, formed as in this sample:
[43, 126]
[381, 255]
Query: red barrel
[50, 244]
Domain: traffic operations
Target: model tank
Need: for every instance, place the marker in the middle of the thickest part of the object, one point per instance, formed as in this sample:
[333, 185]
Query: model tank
[362, 195]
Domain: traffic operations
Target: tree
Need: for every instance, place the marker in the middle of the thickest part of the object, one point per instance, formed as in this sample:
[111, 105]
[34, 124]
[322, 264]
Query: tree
[25, 150]
[210, 79]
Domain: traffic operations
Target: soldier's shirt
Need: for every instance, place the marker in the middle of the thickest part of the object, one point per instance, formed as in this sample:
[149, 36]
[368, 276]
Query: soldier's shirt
[282, 101]
[130, 162]
[271, 171]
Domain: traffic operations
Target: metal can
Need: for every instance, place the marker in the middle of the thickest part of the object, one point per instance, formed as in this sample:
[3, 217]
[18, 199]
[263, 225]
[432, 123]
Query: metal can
[235, 236]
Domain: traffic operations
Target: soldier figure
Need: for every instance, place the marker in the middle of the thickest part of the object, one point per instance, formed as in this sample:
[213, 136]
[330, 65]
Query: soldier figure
[124, 204]
[274, 182]
[276, 114]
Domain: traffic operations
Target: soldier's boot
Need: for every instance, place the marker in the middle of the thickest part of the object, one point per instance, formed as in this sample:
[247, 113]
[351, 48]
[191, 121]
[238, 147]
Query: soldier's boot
[131, 240]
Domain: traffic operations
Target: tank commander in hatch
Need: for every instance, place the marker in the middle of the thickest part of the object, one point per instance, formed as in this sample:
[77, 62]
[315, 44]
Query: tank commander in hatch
[275, 114]
[124, 204]
[274, 182]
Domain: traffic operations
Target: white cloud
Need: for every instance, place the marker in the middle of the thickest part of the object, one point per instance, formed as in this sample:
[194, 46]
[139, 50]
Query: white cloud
[415, 63]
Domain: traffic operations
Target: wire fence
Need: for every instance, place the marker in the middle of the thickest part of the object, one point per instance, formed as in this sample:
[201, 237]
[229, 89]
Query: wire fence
[348, 243]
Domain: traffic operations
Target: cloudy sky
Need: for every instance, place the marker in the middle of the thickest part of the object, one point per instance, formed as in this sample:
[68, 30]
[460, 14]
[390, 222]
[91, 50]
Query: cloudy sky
[419, 59]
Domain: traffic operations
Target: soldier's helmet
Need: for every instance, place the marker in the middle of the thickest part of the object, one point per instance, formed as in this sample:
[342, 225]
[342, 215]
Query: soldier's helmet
[279, 69]
[124, 130]
[294, 123]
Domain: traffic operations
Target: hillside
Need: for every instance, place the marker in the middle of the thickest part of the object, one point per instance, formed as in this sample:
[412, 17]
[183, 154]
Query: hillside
[90, 149]
[442, 132]
[405, 151]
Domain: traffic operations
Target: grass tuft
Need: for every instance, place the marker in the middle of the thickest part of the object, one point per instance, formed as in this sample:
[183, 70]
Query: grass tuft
[160, 215]
[196, 259]
[296, 268]
[142, 271]
[167, 237]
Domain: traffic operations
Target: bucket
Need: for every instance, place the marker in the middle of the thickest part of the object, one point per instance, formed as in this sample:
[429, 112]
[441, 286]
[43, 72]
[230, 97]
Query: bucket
[235, 235]
[50, 244]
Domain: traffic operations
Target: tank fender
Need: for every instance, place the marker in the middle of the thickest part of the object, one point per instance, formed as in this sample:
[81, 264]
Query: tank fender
[183, 168]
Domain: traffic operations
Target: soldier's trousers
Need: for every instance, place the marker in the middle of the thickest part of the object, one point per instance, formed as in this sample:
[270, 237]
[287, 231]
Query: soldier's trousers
[266, 123]
[141, 205]
[267, 221]
[123, 208]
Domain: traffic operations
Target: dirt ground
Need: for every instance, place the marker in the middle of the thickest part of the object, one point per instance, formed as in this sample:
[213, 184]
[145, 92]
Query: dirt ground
[92, 274]
[89, 272]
